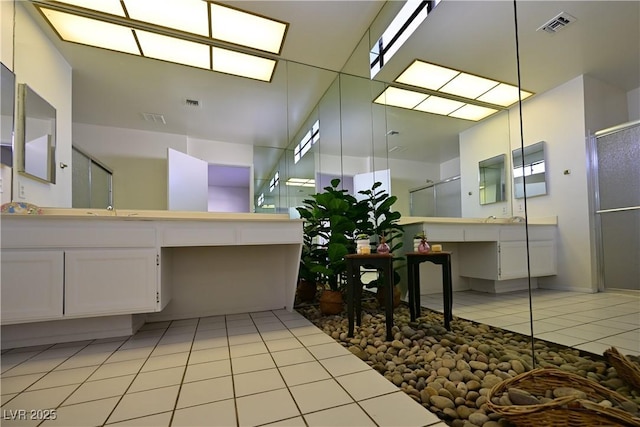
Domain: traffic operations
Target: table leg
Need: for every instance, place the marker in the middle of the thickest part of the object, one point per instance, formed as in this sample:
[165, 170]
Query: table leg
[416, 289]
[388, 274]
[357, 282]
[350, 292]
[410, 288]
[448, 293]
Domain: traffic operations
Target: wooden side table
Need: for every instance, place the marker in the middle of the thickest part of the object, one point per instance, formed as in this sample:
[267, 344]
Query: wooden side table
[383, 262]
[414, 259]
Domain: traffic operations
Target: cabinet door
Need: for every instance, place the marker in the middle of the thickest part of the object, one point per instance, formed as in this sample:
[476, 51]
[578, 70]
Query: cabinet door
[513, 259]
[32, 285]
[110, 281]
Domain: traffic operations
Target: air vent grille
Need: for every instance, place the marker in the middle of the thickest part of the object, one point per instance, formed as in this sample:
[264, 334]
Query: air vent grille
[154, 117]
[557, 23]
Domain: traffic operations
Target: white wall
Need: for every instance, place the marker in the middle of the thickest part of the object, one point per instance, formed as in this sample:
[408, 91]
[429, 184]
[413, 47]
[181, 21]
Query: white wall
[38, 64]
[483, 141]
[633, 104]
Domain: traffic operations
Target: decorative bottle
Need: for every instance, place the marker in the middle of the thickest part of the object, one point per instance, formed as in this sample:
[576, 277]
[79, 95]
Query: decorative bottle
[383, 247]
[424, 247]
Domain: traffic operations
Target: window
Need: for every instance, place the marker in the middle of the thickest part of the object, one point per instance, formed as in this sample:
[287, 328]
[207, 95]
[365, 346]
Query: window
[275, 181]
[403, 25]
[310, 138]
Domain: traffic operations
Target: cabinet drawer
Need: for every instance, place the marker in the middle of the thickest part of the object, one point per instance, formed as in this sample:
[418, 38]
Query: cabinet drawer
[32, 285]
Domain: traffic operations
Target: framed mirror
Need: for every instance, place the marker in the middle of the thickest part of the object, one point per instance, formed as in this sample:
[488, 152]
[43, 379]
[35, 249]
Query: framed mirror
[492, 180]
[529, 171]
[7, 115]
[36, 135]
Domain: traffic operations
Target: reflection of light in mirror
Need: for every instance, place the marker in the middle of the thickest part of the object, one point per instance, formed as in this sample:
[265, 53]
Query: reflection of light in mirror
[310, 138]
[504, 95]
[301, 182]
[261, 199]
[437, 105]
[275, 181]
[428, 76]
[472, 112]
[400, 97]
[113, 7]
[184, 15]
[173, 50]
[531, 169]
[468, 86]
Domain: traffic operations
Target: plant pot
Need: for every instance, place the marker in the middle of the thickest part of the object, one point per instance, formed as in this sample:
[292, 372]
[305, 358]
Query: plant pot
[381, 296]
[306, 291]
[331, 302]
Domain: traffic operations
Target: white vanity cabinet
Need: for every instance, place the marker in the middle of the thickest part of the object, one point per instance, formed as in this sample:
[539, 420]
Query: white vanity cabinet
[59, 269]
[32, 285]
[110, 281]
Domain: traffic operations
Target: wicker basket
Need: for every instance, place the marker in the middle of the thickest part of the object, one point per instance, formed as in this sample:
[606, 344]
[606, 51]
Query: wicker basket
[627, 370]
[562, 411]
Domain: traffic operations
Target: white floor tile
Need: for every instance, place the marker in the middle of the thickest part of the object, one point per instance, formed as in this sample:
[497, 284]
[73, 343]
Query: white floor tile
[289, 422]
[315, 339]
[331, 349]
[267, 407]
[342, 416]
[244, 338]
[283, 344]
[255, 362]
[292, 357]
[248, 349]
[206, 391]
[117, 369]
[216, 414]
[366, 384]
[343, 365]
[257, 382]
[64, 377]
[397, 409]
[101, 389]
[131, 354]
[92, 413]
[303, 373]
[165, 361]
[47, 398]
[157, 379]
[208, 355]
[208, 370]
[157, 420]
[319, 395]
[17, 384]
[276, 335]
[135, 405]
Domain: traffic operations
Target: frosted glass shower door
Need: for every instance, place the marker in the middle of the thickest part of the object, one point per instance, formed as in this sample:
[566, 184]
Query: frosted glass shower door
[618, 206]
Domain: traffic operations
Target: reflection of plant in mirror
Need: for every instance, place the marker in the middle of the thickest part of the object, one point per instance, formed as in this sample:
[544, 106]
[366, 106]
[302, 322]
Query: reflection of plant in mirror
[332, 218]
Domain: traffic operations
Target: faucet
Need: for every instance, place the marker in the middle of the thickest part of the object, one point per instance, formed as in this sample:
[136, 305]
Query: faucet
[489, 218]
[517, 219]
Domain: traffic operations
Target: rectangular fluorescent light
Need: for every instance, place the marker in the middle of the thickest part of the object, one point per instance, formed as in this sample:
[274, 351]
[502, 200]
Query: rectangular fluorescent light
[504, 95]
[112, 7]
[400, 97]
[301, 182]
[468, 86]
[161, 27]
[453, 82]
[185, 15]
[472, 112]
[242, 64]
[438, 105]
[173, 50]
[246, 29]
[425, 75]
[78, 29]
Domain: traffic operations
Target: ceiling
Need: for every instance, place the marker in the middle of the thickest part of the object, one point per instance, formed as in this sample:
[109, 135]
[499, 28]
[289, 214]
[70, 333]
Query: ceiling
[114, 89]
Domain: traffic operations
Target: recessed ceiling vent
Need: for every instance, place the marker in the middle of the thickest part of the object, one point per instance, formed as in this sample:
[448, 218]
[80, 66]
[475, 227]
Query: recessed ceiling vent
[558, 22]
[154, 117]
[192, 103]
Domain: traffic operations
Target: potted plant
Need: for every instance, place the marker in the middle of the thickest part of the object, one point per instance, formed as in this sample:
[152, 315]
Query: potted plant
[332, 220]
[384, 224]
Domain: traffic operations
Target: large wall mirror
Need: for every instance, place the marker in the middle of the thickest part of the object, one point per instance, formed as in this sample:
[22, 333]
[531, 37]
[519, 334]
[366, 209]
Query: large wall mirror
[529, 174]
[36, 135]
[492, 180]
[8, 92]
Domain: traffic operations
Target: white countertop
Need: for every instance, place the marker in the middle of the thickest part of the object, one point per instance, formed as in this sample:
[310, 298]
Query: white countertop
[548, 220]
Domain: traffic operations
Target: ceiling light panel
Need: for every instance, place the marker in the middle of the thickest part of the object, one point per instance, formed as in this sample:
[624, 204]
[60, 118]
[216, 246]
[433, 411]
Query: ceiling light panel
[438, 105]
[112, 7]
[472, 112]
[503, 95]
[241, 64]
[173, 50]
[425, 75]
[77, 29]
[241, 28]
[400, 97]
[468, 86]
[185, 15]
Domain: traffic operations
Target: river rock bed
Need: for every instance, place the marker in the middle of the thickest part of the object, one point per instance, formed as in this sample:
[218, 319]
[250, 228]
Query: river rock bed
[451, 372]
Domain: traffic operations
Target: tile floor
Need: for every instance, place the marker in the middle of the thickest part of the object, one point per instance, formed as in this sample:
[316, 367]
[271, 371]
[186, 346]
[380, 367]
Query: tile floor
[257, 369]
[589, 322]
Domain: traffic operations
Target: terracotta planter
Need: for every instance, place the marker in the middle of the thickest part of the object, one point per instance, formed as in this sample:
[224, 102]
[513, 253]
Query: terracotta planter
[306, 291]
[381, 296]
[331, 302]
